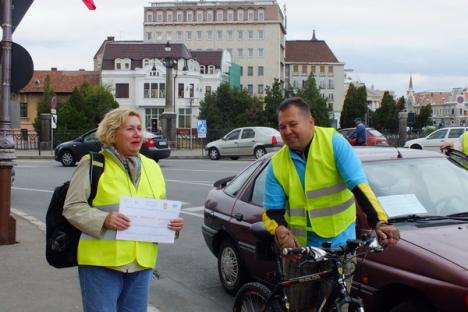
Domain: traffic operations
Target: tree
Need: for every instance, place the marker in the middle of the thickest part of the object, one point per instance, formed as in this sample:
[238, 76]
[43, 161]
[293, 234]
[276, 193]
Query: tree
[43, 106]
[318, 104]
[401, 104]
[424, 117]
[386, 116]
[354, 106]
[273, 98]
[84, 109]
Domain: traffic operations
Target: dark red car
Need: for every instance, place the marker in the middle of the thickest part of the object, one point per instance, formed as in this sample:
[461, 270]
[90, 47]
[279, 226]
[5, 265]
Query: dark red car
[374, 137]
[424, 194]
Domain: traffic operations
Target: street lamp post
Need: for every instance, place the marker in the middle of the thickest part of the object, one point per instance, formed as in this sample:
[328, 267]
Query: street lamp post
[191, 105]
[168, 117]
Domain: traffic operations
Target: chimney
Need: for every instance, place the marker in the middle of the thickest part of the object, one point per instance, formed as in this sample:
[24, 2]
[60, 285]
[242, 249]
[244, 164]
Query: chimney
[81, 69]
[53, 69]
[110, 38]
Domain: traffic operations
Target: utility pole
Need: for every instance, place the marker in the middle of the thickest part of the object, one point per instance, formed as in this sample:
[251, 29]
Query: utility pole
[168, 118]
[7, 145]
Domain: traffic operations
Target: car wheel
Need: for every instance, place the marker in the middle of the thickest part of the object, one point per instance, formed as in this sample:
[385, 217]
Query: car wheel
[234, 157]
[230, 270]
[416, 146]
[67, 159]
[213, 153]
[259, 152]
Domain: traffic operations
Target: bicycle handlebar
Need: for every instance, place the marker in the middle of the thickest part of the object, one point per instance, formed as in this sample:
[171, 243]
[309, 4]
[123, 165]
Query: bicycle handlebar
[319, 253]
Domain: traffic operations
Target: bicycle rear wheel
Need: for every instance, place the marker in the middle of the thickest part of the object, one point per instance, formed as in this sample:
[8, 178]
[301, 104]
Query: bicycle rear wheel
[252, 297]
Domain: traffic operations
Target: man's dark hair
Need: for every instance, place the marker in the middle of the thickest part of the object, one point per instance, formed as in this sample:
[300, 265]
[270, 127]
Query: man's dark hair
[295, 101]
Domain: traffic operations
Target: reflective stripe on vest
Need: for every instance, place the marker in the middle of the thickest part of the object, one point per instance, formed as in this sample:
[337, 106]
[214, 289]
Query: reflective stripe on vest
[465, 142]
[114, 183]
[327, 201]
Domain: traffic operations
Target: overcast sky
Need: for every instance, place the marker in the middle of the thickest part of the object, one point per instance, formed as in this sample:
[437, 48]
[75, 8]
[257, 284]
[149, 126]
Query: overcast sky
[382, 41]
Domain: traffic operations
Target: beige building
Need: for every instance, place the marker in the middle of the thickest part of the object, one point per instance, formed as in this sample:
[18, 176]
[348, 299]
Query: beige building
[253, 32]
[304, 57]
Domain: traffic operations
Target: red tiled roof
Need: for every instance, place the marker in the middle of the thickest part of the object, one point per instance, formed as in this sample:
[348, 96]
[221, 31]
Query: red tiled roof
[310, 51]
[60, 81]
[433, 98]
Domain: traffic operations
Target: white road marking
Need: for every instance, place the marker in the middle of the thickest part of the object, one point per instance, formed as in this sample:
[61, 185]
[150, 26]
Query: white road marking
[199, 170]
[189, 182]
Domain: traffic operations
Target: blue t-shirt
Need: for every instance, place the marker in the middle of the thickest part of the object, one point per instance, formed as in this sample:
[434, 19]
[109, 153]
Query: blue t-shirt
[348, 165]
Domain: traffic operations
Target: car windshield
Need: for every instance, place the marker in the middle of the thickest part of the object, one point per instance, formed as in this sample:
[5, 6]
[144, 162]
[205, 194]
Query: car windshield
[432, 186]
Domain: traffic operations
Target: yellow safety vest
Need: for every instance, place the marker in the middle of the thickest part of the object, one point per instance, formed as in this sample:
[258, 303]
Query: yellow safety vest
[324, 197]
[114, 183]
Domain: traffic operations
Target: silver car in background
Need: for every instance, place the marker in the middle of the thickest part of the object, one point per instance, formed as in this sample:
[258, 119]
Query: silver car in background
[246, 141]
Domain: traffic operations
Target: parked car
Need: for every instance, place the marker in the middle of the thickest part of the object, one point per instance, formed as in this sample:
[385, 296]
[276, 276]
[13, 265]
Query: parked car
[68, 153]
[424, 194]
[256, 141]
[434, 140]
[374, 137]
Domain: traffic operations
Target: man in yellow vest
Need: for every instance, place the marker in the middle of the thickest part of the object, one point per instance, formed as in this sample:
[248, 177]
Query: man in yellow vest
[461, 145]
[317, 176]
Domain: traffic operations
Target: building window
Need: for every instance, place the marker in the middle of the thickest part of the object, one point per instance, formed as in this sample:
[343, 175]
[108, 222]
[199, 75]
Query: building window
[181, 90]
[240, 52]
[179, 16]
[162, 90]
[169, 35]
[202, 69]
[260, 52]
[330, 69]
[250, 32]
[250, 89]
[240, 15]
[169, 17]
[121, 90]
[295, 68]
[229, 35]
[191, 90]
[211, 69]
[199, 35]
[330, 97]
[331, 84]
[159, 17]
[241, 70]
[322, 69]
[240, 34]
[220, 34]
[230, 15]
[209, 35]
[148, 35]
[260, 89]
[261, 34]
[322, 84]
[250, 71]
[261, 15]
[250, 15]
[260, 70]
[199, 16]
[184, 117]
[312, 69]
[149, 17]
[304, 69]
[250, 52]
[158, 35]
[188, 34]
[209, 16]
[153, 90]
[219, 16]
[207, 90]
[150, 114]
[189, 16]
[23, 110]
[179, 35]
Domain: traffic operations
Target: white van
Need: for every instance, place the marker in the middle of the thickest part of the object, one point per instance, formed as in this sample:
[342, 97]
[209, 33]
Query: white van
[434, 140]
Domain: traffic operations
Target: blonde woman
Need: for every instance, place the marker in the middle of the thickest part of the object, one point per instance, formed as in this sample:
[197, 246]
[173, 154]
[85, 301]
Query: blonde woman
[115, 275]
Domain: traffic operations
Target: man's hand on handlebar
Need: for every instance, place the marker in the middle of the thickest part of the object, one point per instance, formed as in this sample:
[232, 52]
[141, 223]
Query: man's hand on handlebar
[285, 239]
[389, 234]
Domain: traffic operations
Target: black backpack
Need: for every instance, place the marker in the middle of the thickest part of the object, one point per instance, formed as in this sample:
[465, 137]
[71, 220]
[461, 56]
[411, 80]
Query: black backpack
[61, 237]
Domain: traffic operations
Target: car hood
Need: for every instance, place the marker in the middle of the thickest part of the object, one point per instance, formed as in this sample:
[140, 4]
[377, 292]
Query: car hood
[408, 143]
[214, 143]
[447, 241]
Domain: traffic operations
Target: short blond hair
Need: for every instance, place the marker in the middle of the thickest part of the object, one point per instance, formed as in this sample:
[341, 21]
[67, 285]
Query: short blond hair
[111, 123]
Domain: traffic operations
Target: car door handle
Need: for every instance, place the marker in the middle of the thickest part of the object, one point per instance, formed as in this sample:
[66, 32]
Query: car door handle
[239, 216]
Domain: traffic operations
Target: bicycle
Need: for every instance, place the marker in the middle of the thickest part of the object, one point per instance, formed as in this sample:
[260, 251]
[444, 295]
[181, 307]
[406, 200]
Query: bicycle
[256, 297]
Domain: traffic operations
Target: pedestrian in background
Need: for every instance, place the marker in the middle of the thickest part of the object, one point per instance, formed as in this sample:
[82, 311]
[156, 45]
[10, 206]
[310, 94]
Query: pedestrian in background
[318, 177]
[115, 275]
[359, 133]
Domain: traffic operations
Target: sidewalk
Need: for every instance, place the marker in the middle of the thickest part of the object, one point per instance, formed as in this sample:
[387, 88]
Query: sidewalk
[175, 154]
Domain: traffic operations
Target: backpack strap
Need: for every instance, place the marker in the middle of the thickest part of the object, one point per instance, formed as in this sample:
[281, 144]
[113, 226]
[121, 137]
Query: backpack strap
[96, 168]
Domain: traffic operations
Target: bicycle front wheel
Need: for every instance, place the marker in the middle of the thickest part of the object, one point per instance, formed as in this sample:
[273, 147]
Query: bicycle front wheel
[252, 297]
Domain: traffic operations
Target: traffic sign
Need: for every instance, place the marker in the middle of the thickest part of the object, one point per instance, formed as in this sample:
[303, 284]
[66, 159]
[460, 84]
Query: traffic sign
[202, 129]
[53, 118]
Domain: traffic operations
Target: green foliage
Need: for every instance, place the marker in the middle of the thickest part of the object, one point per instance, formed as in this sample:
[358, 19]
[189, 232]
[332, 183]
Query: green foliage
[386, 116]
[424, 117]
[272, 99]
[43, 106]
[318, 104]
[85, 108]
[401, 104]
[230, 108]
[355, 105]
